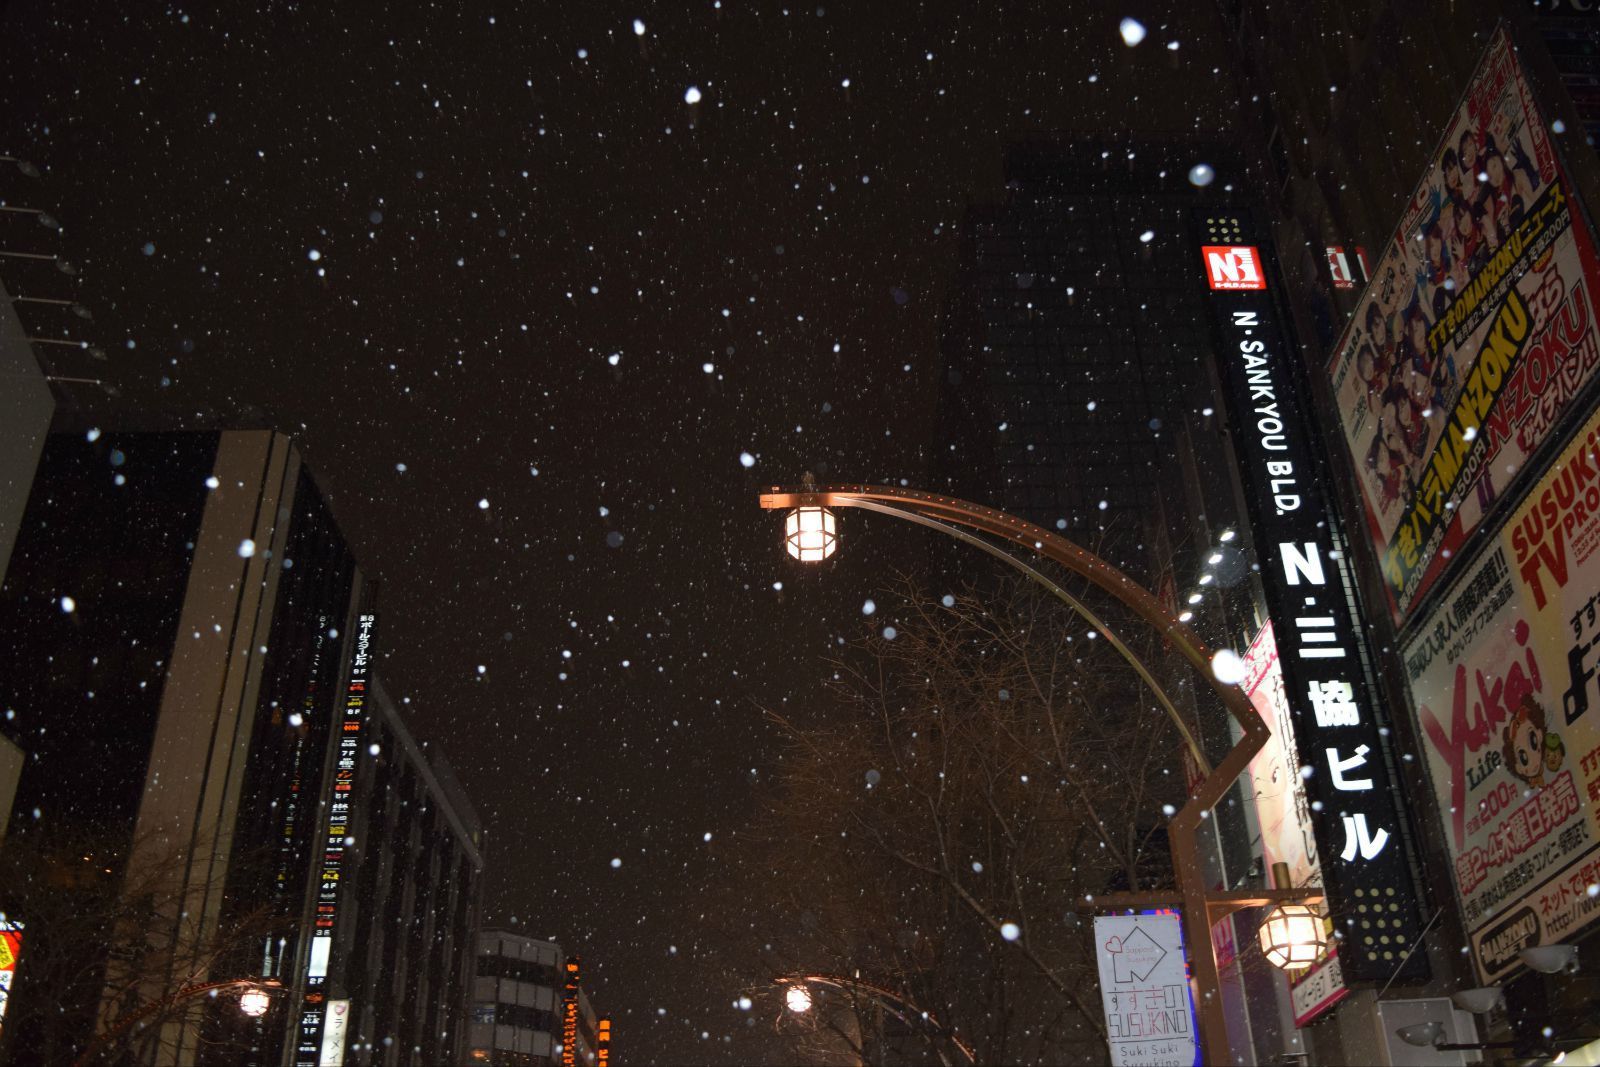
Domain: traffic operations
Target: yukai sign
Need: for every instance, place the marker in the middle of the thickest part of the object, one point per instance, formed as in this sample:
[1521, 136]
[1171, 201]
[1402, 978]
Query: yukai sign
[1355, 815]
[1504, 678]
[1476, 336]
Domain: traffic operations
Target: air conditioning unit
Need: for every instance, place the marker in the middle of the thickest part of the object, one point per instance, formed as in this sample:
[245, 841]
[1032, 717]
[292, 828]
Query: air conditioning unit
[1459, 1029]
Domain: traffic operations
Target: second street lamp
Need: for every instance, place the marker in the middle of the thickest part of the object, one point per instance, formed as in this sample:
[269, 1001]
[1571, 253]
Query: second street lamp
[1200, 907]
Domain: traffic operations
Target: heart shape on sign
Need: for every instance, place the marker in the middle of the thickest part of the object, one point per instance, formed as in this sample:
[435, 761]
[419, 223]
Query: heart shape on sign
[1114, 945]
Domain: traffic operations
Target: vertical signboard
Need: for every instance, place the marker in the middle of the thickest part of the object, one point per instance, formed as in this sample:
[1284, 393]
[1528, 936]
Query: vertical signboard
[333, 1034]
[1504, 679]
[1144, 985]
[340, 797]
[10, 949]
[602, 1043]
[1355, 812]
[1476, 336]
[569, 1013]
[1279, 792]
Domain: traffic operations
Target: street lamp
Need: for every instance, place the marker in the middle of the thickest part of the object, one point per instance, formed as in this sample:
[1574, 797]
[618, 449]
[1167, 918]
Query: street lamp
[1292, 937]
[809, 534]
[255, 1001]
[1200, 907]
[797, 996]
[798, 999]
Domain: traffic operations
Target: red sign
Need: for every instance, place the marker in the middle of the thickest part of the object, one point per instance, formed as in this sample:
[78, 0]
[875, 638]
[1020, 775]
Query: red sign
[1318, 989]
[1339, 267]
[1233, 267]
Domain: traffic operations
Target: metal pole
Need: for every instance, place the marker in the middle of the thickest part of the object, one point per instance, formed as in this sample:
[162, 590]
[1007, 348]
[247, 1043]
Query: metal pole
[1187, 862]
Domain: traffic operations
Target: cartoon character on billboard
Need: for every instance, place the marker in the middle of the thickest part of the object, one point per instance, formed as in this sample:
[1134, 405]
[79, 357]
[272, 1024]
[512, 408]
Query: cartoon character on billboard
[1531, 750]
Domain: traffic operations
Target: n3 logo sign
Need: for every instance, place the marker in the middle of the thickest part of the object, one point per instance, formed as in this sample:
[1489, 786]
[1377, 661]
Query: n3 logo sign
[1233, 267]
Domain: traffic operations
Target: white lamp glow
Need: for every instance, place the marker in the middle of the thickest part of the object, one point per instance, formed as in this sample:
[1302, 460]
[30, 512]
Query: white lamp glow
[809, 534]
[254, 1002]
[1292, 937]
[798, 997]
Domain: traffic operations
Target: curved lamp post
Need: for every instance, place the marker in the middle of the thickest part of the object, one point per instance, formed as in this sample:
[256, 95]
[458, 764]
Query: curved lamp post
[797, 997]
[1200, 909]
[255, 998]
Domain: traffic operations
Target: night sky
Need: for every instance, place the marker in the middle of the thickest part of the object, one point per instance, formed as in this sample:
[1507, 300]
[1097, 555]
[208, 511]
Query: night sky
[543, 329]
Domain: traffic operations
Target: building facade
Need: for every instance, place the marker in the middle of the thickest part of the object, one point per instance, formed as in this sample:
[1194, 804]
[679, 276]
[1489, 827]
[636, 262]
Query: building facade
[1074, 353]
[1432, 173]
[529, 1006]
[404, 946]
[188, 657]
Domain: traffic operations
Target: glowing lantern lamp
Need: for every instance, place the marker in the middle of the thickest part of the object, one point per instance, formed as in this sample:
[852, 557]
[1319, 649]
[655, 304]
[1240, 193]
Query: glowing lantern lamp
[798, 998]
[254, 1002]
[1292, 937]
[809, 534]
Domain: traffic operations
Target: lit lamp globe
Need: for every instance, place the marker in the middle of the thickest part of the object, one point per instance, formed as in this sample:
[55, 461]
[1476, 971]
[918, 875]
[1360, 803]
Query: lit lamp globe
[809, 534]
[1292, 937]
[254, 1002]
[798, 997]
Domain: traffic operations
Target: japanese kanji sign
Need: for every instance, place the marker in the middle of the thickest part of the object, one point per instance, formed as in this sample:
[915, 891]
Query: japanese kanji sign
[1504, 680]
[1355, 812]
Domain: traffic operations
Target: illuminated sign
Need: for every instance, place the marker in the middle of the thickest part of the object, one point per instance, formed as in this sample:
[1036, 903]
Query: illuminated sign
[1356, 816]
[10, 949]
[340, 797]
[333, 1032]
[602, 1043]
[569, 1014]
[1233, 267]
[1505, 678]
[1477, 338]
[1340, 263]
[1144, 987]
[1317, 990]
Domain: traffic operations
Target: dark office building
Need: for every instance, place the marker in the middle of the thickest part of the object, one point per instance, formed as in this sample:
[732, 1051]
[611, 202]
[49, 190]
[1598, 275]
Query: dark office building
[530, 1007]
[1076, 355]
[403, 952]
[216, 787]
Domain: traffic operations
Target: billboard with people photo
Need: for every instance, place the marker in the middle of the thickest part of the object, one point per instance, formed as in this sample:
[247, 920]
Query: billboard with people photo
[1475, 336]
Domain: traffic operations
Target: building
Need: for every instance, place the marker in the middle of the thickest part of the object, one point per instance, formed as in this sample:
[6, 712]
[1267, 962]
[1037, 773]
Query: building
[403, 951]
[529, 1006]
[29, 267]
[188, 654]
[1398, 200]
[1075, 353]
[1083, 390]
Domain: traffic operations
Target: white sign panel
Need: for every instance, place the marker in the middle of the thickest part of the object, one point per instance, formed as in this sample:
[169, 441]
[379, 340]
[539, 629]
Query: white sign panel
[1145, 986]
[333, 1032]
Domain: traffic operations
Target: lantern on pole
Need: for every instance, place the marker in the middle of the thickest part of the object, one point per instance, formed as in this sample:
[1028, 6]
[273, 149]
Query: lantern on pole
[1292, 935]
[809, 534]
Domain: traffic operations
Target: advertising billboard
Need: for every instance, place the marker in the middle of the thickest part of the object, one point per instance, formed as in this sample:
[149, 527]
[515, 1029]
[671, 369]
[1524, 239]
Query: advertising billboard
[1503, 679]
[1475, 336]
[1144, 986]
[10, 949]
[1277, 789]
[1356, 814]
